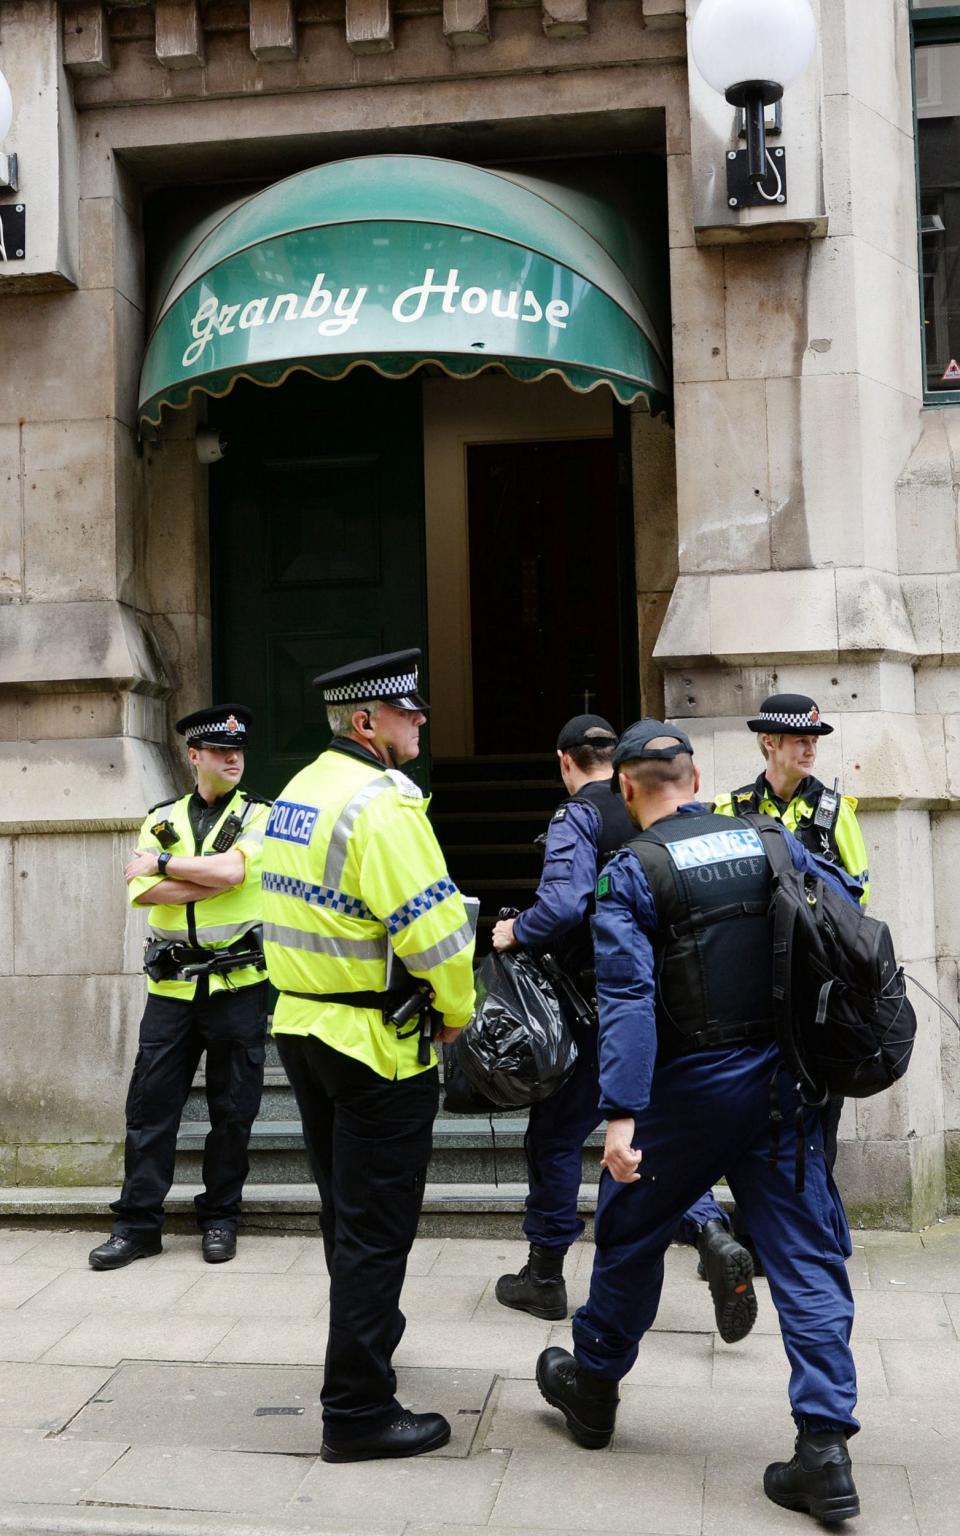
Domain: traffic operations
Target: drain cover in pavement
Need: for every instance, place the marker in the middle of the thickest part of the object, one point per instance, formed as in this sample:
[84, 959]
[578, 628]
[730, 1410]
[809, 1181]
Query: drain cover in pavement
[257, 1407]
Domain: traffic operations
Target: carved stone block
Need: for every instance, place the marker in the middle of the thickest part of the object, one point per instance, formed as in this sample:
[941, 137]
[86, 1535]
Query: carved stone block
[466, 23]
[565, 18]
[273, 30]
[369, 26]
[179, 34]
[86, 40]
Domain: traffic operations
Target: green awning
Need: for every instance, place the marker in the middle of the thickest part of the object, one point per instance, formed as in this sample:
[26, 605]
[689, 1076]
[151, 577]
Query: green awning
[396, 261]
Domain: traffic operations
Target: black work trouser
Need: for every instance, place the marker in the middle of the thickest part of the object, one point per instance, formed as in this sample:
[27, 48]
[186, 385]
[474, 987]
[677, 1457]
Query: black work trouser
[174, 1032]
[368, 1139]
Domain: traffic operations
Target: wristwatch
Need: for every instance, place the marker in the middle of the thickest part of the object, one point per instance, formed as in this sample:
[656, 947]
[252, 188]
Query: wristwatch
[163, 859]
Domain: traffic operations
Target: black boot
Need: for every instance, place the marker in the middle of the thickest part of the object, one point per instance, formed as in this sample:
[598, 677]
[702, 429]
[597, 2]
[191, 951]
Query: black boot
[728, 1270]
[588, 1402]
[539, 1288]
[819, 1479]
[122, 1248]
[409, 1434]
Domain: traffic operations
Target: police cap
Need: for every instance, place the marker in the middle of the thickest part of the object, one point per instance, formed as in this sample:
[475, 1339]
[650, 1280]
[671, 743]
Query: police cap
[634, 745]
[574, 733]
[222, 725]
[790, 714]
[392, 677]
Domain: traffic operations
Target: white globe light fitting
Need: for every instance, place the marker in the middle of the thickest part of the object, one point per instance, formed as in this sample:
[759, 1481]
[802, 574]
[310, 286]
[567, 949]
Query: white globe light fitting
[6, 107]
[761, 43]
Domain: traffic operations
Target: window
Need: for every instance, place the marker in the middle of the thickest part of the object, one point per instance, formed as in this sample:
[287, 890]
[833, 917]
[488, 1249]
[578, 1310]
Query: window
[936, 37]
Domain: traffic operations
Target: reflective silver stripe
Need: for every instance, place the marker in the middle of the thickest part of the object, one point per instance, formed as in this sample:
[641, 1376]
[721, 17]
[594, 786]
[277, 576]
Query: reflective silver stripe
[206, 935]
[254, 835]
[340, 836]
[323, 944]
[426, 959]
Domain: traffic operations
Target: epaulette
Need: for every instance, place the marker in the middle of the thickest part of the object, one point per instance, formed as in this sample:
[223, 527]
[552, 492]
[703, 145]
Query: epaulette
[408, 789]
[172, 801]
[559, 815]
[255, 799]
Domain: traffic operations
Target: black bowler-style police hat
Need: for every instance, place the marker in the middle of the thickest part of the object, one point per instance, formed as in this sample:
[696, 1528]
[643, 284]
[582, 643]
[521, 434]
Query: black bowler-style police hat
[634, 744]
[222, 725]
[574, 733]
[392, 677]
[790, 714]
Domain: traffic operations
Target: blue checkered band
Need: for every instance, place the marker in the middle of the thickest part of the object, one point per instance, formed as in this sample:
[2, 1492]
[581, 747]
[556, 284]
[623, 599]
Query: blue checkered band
[417, 905]
[372, 688]
[316, 895]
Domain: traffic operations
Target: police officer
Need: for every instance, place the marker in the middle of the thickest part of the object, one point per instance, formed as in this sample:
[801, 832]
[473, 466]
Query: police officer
[789, 727]
[354, 879]
[688, 1070]
[197, 868]
[585, 830]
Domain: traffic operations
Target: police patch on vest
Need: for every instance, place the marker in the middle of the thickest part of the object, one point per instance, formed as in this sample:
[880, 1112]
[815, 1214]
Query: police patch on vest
[716, 847]
[292, 823]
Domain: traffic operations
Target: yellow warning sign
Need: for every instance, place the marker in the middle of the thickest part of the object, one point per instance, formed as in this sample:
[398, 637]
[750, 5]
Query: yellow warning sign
[952, 370]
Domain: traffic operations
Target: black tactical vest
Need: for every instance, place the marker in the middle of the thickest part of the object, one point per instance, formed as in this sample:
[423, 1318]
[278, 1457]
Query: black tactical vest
[575, 949]
[714, 961]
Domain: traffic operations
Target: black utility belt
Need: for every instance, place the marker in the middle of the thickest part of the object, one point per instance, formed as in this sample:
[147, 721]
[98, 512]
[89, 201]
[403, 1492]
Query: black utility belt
[716, 1037]
[383, 1002]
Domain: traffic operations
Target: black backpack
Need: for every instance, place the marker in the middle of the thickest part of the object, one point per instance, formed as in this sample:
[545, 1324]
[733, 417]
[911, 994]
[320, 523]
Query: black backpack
[844, 1024]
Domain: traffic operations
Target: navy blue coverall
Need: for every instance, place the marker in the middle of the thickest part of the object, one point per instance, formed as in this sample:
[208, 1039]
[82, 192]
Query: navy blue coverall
[698, 1116]
[559, 1126]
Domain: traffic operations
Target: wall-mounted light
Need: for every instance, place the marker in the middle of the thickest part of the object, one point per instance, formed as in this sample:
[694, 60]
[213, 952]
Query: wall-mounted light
[8, 163]
[751, 51]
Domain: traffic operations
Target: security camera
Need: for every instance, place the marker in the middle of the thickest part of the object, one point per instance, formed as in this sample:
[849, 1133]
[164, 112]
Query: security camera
[210, 445]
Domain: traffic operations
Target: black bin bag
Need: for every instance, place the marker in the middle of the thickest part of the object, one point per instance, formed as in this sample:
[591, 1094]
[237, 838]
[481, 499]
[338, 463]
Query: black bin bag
[517, 1049]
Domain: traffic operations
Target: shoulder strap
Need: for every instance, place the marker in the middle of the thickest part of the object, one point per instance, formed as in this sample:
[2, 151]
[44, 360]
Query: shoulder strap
[772, 838]
[161, 803]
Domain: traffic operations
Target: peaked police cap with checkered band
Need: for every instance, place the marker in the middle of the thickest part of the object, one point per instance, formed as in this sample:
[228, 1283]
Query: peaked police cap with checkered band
[392, 677]
[790, 714]
[222, 725]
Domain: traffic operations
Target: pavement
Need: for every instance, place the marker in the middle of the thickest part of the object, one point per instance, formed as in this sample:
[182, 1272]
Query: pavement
[175, 1398]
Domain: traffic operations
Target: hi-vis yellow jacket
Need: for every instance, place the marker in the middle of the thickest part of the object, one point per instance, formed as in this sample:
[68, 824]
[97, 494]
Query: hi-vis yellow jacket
[351, 866]
[844, 844]
[221, 920]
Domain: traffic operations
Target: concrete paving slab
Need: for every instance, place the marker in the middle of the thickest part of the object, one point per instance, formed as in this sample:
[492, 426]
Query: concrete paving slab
[685, 1307]
[908, 1431]
[216, 1406]
[28, 1335]
[14, 1244]
[591, 1491]
[66, 1250]
[501, 1348]
[239, 1295]
[51, 1471]
[458, 1491]
[734, 1503]
[922, 1368]
[480, 1256]
[274, 1341]
[45, 1397]
[106, 1340]
[65, 1520]
[18, 1283]
[952, 1304]
[934, 1268]
[857, 1269]
[424, 1254]
[872, 1237]
[759, 1364]
[256, 1255]
[936, 1499]
[311, 1259]
[886, 1315]
[446, 1297]
[140, 1285]
[183, 1478]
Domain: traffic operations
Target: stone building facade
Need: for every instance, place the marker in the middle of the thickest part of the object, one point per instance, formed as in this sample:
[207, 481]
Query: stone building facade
[795, 522]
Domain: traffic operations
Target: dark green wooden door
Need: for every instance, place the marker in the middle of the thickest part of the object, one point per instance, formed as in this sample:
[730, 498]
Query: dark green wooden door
[317, 550]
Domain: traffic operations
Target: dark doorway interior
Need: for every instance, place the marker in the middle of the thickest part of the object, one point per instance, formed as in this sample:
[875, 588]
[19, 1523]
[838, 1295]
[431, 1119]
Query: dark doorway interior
[550, 567]
[317, 549]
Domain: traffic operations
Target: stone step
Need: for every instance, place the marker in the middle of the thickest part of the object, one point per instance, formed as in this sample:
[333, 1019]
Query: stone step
[506, 766]
[464, 1152]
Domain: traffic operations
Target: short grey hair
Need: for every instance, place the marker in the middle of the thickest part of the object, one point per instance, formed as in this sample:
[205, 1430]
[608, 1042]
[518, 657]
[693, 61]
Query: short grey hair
[340, 716]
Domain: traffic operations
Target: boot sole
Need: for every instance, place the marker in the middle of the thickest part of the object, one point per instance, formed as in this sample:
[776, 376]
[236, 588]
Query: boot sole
[735, 1310]
[148, 1253]
[590, 1439]
[327, 1452]
[829, 1511]
[549, 1314]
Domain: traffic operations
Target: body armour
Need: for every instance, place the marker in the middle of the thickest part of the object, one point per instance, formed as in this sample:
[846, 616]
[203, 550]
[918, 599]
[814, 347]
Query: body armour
[710, 883]
[838, 838]
[574, 950]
